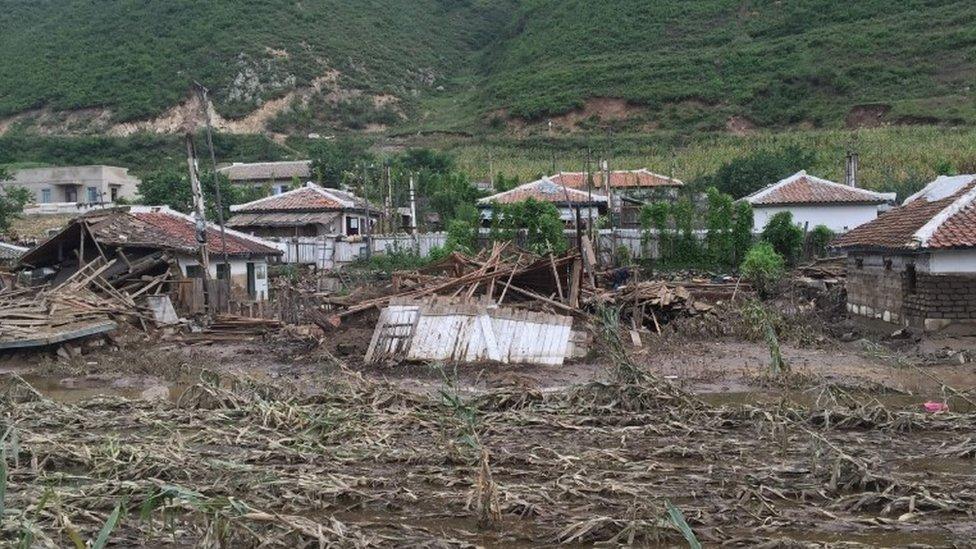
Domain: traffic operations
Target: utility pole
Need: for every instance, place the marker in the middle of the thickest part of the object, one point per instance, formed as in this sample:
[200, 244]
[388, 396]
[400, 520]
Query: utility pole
[202, 92]
[390, 214]
[366, 230]
[413, 208]
[199, 211]
[491, 170]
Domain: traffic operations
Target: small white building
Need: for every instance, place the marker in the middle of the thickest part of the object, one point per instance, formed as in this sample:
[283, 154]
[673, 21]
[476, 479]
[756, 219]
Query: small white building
[278, 177]
[69, 186]
[567, 200]
[307, 211]
[815, 201]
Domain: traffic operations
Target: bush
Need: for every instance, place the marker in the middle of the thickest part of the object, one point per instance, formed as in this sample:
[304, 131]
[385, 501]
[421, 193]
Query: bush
[785, 237]
[462, 231]
[818, 239]
[763, 267]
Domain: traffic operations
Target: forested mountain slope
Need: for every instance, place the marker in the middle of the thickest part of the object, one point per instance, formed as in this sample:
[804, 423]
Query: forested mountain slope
[357, 64]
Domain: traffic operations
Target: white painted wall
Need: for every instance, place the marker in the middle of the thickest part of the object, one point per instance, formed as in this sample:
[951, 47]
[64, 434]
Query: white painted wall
[953, 261]
[839, 219]
[238, 273]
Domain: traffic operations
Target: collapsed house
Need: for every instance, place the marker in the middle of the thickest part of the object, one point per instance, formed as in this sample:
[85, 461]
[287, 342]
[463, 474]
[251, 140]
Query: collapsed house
[147, 241]
[916, 264]
[509, 305]
[125, 266]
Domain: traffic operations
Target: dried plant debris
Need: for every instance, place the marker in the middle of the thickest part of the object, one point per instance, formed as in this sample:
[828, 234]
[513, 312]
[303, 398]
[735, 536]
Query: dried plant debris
[237, 463]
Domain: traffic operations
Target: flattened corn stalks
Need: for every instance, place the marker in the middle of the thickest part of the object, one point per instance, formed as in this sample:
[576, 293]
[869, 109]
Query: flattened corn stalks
[236, 463]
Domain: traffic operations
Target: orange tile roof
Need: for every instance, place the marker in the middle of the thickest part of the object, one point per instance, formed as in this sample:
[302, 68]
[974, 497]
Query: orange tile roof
[938, 217]
[165, 229]
[545, 190]
[802, 188]
[620, 179]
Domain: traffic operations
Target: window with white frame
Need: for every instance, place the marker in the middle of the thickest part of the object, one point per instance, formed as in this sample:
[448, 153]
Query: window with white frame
[45, 196]
[92, 195]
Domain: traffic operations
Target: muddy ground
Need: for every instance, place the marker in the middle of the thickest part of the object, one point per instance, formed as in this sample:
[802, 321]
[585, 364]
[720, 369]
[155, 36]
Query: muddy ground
[724, 365]
[297, 443]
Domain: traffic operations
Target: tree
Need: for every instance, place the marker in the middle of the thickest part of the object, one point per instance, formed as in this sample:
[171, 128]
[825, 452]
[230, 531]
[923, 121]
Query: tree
[172, 188]
[538, 221]
[336, 161]
[686, 248]
[12, 202]
[446, 193]
[462, 231]
[502, 183]
[741, 231]
[745, 175]
[784, 236]
[818, 239]
[654, 217]
[718, 224]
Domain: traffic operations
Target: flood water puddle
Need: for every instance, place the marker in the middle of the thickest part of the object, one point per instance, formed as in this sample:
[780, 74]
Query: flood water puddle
[77, 388]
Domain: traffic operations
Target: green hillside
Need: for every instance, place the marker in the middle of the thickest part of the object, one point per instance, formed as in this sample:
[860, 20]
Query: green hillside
[455, 64]
[138, 57]
[774, 62]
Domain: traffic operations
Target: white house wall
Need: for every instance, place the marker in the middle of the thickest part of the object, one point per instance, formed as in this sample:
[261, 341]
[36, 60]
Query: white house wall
[952, 261]
[839, 219]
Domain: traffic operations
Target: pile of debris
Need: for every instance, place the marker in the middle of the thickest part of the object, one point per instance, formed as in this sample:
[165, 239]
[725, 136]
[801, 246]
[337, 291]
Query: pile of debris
[86, 303]
[823, 273]
[488, 301]
[233, 328]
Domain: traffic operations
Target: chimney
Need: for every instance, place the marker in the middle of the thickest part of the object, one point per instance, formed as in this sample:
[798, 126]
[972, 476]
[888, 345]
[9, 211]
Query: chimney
[850, 169]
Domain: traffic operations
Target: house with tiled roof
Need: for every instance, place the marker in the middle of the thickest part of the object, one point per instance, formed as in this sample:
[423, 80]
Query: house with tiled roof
[628, 190]
[568, 201]
[130, 235]
[816, 201]
[307, 211]
[916, 264]
[278, 177]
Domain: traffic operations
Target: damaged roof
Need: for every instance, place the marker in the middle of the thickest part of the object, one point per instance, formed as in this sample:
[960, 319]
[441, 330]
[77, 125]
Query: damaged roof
[310, 198]
[619, 179]
[262, 171]
[545, 190]
[940, 216]
[154, 227]
[803, 188]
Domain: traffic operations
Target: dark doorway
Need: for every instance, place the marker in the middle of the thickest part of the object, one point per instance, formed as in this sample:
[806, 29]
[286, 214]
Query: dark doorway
[251, 285]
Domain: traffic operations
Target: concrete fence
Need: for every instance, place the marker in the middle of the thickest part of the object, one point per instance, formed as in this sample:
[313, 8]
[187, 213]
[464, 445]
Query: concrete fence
[333, 252]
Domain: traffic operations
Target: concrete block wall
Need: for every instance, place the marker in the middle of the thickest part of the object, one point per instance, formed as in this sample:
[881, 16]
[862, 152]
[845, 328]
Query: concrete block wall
[942, 296]
[876, 291]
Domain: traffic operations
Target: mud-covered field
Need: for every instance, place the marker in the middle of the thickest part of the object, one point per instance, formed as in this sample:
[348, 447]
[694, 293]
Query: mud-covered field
[689, 438]
[630, 460]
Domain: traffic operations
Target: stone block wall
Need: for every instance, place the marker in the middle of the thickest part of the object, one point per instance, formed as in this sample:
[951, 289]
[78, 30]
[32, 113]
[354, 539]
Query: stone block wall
[942, 296]
[876, 290]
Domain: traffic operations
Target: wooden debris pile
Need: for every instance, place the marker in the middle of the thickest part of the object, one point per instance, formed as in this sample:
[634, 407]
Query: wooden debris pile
[233, 328]
[653, 303]
[556, 284]
[86, 302]
[503, 274]
[823, 273]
